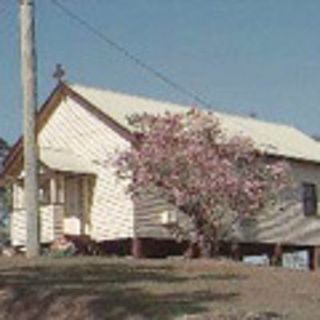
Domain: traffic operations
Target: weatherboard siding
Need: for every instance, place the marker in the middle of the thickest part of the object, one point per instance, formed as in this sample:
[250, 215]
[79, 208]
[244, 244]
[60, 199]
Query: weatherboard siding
[50, 224]
[275, 139]
[18, 227]
[75, 128]
[149, 211]
[112, 213]
[290, 226]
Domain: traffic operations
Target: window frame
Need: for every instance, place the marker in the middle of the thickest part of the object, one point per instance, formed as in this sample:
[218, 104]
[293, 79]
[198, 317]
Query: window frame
[44, 192]
[310, 199]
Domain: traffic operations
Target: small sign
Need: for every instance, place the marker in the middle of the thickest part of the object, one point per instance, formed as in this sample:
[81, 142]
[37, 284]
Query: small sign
[298, 260]
[258, 260]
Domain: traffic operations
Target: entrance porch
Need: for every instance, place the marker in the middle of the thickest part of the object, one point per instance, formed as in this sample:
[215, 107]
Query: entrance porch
[65, 197]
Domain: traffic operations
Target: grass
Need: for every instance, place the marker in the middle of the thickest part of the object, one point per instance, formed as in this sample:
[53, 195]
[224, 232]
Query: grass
[114, 288]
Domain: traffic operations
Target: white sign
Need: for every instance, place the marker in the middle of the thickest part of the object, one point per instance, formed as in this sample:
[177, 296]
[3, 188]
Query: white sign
[298, 260]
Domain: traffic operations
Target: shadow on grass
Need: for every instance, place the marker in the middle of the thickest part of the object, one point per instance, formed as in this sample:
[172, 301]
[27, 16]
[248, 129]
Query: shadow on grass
[223, 277]
[100, 291]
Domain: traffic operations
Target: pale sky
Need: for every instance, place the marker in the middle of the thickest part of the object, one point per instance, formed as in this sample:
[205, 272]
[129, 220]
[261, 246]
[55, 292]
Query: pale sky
[242, 56]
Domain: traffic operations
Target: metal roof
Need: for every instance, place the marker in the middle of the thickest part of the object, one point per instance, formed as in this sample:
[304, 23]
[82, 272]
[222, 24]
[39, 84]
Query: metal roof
[65, 161]
[272, 138]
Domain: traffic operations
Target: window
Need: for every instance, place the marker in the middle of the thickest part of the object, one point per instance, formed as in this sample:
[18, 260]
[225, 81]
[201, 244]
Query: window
[310, 201]
[44, 192]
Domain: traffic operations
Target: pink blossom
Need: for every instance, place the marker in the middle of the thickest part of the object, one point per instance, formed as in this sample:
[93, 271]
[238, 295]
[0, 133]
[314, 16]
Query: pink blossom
[201, 171]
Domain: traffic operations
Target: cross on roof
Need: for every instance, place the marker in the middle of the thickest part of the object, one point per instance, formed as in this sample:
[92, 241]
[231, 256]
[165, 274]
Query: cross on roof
[59, 72]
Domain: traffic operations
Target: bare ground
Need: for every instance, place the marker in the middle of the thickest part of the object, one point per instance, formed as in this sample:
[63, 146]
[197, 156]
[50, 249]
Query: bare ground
[114, 288]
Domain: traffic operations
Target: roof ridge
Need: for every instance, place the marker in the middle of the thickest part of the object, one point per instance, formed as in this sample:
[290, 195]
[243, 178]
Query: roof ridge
[122, 93]
[179, 105]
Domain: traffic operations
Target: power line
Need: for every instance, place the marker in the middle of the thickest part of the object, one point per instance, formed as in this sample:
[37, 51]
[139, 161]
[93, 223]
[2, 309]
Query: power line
[125, 52]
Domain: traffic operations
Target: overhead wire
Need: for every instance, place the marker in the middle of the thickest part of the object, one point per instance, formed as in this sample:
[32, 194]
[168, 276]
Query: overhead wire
[132, 57]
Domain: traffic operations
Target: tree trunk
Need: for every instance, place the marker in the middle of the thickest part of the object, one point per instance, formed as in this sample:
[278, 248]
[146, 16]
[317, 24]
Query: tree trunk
[207, 248]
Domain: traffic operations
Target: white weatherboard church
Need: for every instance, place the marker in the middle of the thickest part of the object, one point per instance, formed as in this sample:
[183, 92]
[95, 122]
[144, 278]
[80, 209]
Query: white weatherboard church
[79, 127]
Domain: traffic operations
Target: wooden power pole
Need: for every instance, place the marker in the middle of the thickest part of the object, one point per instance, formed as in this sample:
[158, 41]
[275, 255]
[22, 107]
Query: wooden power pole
[29, 88]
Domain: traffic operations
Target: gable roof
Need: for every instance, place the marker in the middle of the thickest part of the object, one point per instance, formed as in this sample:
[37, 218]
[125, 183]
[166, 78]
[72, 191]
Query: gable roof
[15, 156]
[64, 161]
[274, 139]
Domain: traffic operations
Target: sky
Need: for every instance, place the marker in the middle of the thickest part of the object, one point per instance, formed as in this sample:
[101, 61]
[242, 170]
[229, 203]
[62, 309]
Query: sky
[241, 56]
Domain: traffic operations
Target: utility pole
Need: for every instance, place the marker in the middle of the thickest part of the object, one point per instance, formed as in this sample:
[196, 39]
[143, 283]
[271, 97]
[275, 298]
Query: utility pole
[29, 88]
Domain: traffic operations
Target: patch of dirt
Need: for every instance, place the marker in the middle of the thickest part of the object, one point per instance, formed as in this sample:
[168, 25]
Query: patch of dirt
[110, 288]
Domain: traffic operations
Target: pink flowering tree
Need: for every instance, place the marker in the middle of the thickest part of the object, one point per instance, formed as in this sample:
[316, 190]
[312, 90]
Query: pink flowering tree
[215, 180]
